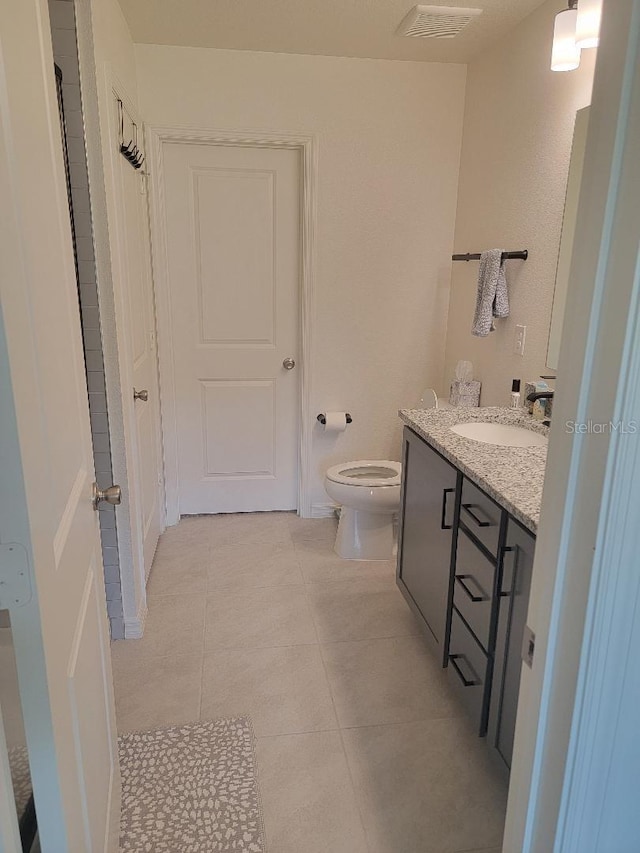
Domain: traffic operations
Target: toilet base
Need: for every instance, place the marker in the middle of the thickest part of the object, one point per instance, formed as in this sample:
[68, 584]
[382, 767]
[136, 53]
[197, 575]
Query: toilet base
[364, 535]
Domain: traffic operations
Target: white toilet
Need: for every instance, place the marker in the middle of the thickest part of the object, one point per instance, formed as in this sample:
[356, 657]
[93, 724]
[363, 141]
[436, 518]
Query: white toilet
[369, 494]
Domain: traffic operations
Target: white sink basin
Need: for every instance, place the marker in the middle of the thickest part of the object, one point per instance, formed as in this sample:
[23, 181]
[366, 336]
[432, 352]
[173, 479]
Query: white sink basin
[500, 434]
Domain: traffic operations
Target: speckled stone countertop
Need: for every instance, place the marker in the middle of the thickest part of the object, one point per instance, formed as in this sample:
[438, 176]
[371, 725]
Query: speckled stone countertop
[513, 476]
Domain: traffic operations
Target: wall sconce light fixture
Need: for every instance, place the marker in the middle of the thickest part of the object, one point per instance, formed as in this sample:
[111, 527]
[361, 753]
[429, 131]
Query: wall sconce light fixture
[565, 54]
[588, 23]
[576, 27]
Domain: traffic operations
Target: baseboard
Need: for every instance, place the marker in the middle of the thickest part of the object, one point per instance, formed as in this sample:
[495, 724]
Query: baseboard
[323, 510]
[134, 625]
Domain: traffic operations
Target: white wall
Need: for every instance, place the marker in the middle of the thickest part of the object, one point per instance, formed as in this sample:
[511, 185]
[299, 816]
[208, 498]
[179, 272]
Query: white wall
[518, 127]
[113, 43]
[389, 136]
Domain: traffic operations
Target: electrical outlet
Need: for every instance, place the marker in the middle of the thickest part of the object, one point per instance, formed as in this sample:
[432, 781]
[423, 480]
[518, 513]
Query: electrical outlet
[518, 341]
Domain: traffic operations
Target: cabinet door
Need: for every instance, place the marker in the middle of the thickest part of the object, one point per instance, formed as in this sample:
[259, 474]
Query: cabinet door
[424, 555]
[514, 604]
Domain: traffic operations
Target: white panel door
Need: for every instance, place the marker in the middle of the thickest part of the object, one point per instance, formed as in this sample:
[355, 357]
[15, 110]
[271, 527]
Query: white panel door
[232, 230]
[49, 533]
[137, 341]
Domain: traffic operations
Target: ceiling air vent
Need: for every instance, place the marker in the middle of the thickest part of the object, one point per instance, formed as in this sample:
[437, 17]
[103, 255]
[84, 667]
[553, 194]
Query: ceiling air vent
[436, 22]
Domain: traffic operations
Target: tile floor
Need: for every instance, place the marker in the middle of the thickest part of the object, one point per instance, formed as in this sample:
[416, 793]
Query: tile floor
[361, 748]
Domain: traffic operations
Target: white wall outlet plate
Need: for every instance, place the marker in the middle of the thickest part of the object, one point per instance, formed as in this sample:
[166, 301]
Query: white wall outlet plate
[519, 339]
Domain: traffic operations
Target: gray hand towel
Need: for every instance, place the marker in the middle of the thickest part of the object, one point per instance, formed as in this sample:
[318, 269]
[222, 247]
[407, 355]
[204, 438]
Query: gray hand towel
[492, 299]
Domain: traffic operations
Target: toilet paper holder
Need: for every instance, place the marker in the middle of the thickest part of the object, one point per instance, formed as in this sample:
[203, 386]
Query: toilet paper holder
[322, 418]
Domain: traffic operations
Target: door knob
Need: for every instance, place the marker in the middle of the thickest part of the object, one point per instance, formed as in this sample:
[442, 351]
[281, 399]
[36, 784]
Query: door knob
[141, 395]
[288, 364]
[111, 495]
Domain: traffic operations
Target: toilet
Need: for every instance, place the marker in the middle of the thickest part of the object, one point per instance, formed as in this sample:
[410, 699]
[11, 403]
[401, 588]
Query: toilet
[369, 493]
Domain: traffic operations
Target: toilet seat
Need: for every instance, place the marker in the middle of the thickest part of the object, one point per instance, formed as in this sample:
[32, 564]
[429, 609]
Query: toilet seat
[369, 473]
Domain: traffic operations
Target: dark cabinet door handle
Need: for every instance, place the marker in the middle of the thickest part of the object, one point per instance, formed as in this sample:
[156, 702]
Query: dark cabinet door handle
[443, 520]
[477, 520]
[474, 681]
[462, 579]
[506, 593]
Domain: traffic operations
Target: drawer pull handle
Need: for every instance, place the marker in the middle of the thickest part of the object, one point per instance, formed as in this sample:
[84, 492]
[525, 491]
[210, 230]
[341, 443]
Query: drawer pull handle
[506, 593]
[443, 520]
[475, 598]
[477, 520]
[474, 681]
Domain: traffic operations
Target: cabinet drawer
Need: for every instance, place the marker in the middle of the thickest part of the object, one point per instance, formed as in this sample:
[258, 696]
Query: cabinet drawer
[473, 587]
[481, 515]
[467, 669]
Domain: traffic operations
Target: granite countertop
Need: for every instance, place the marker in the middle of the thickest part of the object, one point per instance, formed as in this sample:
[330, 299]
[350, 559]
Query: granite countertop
[513, 476]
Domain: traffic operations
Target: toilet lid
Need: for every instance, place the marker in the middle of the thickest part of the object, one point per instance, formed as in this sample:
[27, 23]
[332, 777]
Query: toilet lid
[371, 473]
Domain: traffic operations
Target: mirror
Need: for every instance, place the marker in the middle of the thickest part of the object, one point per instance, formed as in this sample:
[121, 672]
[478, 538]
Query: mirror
[568, 233]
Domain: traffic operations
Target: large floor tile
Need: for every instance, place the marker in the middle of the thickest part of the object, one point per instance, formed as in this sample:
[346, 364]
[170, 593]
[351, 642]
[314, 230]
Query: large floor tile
[386, 681]
[318, 529]
[164, 691]
[182, 575]
[174, 626]
[283, 690]
[242, 566]
[425, 787]
[308, 799]
[360, 610]
[320, 563]
[258, 618]
[183, 548]
[250, 528]
[191, 529]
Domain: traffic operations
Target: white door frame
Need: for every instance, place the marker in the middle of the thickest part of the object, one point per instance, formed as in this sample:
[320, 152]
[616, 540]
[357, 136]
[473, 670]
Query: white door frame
[156, 137]
[574, 778]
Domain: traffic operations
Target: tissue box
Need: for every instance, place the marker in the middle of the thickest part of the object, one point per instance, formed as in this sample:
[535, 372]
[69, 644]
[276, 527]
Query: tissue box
[465, 393]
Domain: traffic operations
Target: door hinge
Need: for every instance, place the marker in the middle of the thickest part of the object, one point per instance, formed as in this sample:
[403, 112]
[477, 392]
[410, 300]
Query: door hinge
[15, 577]
[528, 646]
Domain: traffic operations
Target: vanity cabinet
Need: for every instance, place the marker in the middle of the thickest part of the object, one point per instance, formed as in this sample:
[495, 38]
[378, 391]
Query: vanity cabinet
[517, 566]
[464, 566]
[424, 548]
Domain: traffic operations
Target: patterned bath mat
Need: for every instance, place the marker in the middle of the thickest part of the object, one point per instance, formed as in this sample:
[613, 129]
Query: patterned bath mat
[20, 776]
[191, 789]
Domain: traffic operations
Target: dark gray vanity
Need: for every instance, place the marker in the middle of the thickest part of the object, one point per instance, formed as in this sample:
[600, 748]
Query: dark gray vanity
[465, 561]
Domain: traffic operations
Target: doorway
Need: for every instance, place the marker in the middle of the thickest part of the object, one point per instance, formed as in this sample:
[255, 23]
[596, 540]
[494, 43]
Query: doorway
[233, 325]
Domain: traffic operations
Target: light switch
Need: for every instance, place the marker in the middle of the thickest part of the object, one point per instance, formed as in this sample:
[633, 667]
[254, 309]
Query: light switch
[518, 341]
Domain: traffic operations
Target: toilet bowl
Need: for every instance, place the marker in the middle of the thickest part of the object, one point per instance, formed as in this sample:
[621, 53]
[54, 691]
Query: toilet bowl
[369, 493]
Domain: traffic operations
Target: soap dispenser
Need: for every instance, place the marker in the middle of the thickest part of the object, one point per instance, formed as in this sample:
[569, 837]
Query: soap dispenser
[515, 394]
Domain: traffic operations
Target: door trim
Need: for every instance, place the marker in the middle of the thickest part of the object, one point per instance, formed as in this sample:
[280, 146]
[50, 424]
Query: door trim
[576, 733]
[156, 137]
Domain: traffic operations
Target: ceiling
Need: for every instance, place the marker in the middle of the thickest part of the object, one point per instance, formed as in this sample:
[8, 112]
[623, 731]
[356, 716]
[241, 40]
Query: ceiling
[363, 28]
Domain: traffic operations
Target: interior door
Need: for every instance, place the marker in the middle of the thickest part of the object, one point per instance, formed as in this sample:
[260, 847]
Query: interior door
[136, 333]
[232, 223]
[50, 562]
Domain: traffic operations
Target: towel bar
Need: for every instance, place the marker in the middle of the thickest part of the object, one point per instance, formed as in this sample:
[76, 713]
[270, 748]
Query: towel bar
[520, 255]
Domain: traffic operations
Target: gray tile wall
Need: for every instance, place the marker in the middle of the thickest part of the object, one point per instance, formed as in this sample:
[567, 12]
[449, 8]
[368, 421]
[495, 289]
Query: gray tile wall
[63, 32]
